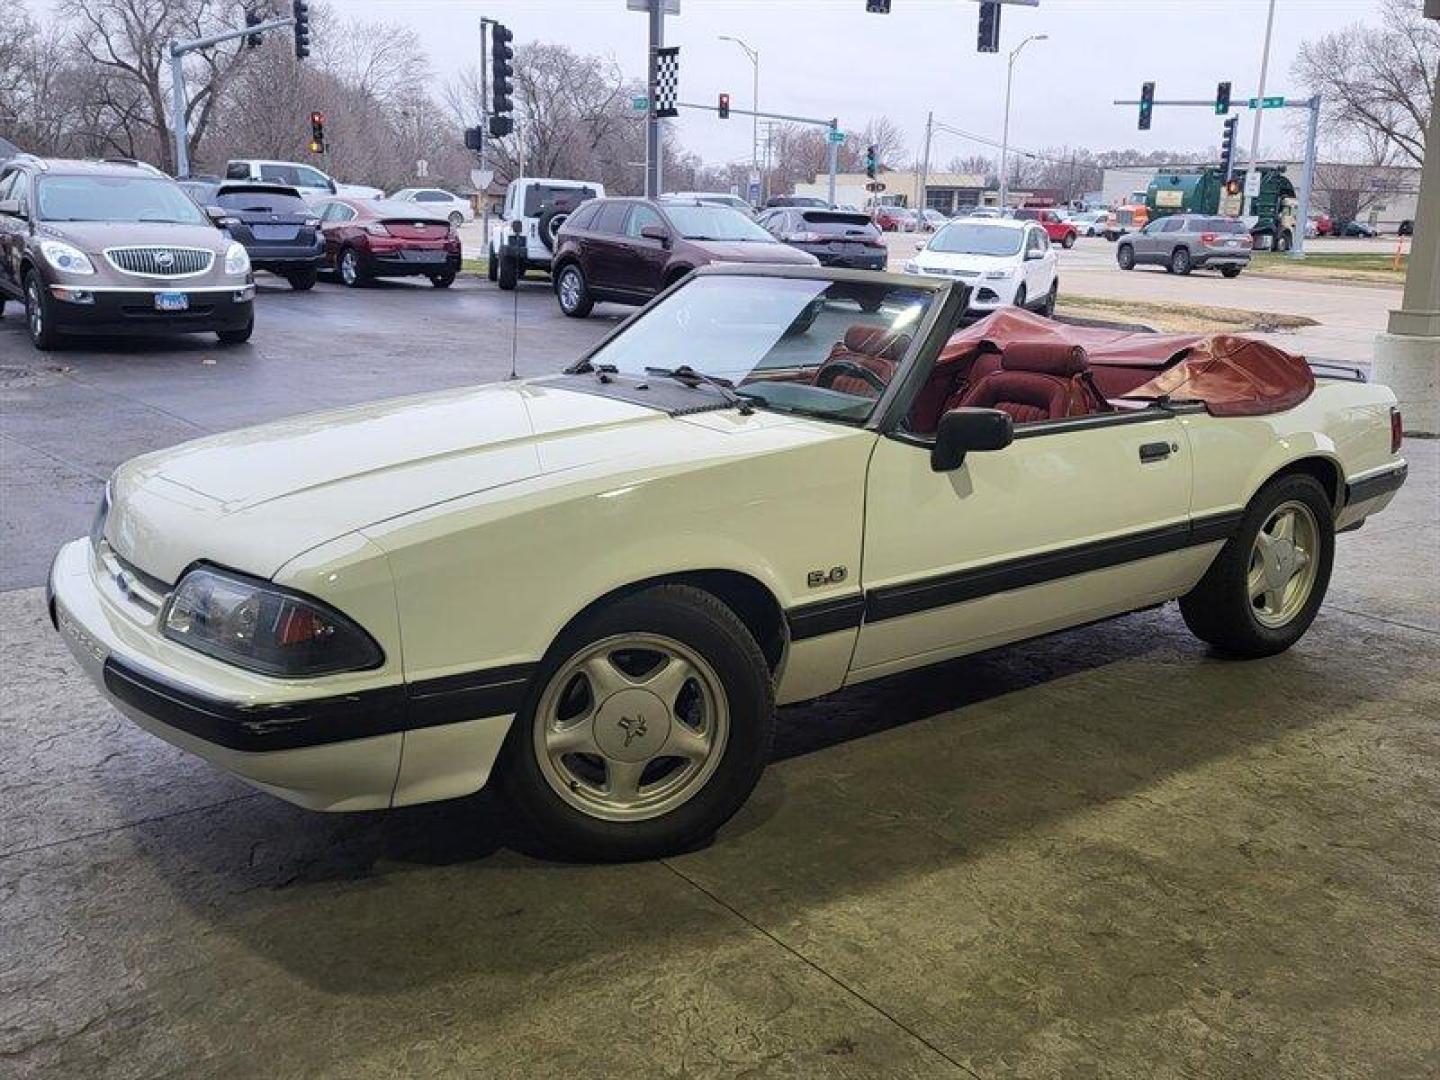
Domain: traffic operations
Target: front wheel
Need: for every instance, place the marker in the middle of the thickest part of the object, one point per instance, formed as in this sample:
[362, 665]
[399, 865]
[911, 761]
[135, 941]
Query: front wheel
[1068, 242]
[1125, 256]
[1262, 591]
[509, 272]
[237, 337]
[1020, 297]
[38, 314]
[1048, 307]
[350, 272]
[646, 728]
[492, 265]
[573, 293]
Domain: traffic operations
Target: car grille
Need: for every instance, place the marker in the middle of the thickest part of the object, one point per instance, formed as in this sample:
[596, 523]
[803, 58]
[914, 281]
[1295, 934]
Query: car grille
[948, 272]
[171, 262]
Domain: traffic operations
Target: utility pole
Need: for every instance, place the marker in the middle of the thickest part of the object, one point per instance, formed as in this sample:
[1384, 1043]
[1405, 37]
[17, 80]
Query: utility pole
[1253, 171]
[834, 156]
[652, 121]
[485, 22]
[1005, 136]
[920, 199]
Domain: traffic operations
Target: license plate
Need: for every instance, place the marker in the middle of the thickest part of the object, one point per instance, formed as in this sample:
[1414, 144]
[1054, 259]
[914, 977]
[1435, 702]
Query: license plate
[172, 301]
[275, 232]
[412, 255]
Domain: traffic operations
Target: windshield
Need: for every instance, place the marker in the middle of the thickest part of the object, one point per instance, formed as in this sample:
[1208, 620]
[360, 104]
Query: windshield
[976, 238]
[798, 345]
[262, 202]
[115, 198]
[711, 222]
[1219, 224]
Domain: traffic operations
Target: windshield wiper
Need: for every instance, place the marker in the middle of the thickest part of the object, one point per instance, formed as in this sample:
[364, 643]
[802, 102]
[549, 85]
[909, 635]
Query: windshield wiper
[692, 378]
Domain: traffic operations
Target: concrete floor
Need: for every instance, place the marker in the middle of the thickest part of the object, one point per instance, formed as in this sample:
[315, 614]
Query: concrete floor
[1106, 853]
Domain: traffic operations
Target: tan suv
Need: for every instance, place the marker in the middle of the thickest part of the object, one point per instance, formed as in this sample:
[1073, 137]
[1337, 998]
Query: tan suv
[104, 248]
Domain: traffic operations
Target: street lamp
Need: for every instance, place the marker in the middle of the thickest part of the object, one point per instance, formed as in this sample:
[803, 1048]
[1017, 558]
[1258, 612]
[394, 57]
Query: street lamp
[1005, 137]
[754, 55]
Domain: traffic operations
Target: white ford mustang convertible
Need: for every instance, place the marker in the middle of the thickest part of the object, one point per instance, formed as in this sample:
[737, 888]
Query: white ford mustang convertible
[767, 485]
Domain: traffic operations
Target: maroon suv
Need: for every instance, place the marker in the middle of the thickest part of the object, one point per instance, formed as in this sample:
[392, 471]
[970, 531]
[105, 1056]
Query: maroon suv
[628, 250]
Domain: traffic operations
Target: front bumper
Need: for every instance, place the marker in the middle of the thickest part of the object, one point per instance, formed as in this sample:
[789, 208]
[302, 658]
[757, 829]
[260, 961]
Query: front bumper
[112, 311]
[989, 295]
[327, 744]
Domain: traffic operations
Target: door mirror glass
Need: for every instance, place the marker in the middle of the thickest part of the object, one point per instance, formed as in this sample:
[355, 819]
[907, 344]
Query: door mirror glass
[656, 232]
[964, 430]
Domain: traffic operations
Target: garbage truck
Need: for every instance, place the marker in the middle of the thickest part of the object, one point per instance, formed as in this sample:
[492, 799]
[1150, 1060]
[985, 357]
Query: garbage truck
[1204, 190]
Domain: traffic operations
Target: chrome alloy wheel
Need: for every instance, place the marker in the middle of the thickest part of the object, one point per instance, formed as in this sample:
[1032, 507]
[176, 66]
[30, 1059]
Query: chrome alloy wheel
[1283, 564]
[35, 310]
[349, 268]
[631, 727]
[570, 289]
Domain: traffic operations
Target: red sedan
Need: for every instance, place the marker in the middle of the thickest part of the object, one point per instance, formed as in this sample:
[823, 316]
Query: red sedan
[370, 238]
[892, 219]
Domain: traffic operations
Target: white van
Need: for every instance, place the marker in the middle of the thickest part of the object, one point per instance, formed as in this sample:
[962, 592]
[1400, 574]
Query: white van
[311, 182]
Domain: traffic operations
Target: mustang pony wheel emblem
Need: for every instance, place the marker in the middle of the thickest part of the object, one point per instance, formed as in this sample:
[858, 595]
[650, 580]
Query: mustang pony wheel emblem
[634, 729]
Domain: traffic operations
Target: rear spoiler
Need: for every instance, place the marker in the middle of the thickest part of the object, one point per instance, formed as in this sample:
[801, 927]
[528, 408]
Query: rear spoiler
[1328, 369]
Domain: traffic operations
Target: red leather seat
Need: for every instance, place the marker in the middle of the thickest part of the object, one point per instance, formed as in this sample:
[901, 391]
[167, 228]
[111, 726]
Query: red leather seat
[874, 349]
[1036, 381]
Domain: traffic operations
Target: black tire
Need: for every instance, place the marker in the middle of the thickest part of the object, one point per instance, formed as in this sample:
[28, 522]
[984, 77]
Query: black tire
[1283, 241]
[348, 267]
[2, 307]
[700, 622]
[492, 265]
[549, 224]
[572, 291]
[1068, 242]
[237, 337]
[1219, 610]
[509, 272]
[1125, 257]
[1230, 271]
[1180, 262]
[39, 314]
[301, 280]
[443, 281]
[1020, 297]
[1048, 307]
[457, 219]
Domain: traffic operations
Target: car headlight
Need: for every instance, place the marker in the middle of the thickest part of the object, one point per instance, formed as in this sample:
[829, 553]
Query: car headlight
[237, 260]
[997, 275]
[264, 627]
[911, 267]
[66, 258]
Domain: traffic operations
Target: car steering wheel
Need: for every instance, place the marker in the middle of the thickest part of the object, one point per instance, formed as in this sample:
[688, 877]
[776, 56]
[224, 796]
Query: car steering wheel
[833, 370]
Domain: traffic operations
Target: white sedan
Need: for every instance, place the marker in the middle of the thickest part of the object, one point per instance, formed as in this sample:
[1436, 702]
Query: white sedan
[440, 203]
[767, 485]
[1005, 262]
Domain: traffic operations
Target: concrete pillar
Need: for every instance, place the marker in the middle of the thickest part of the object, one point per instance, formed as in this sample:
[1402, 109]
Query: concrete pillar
[1407, 355]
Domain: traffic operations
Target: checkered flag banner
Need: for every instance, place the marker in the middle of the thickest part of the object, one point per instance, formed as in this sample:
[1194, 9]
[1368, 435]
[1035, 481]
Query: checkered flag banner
[666, 81]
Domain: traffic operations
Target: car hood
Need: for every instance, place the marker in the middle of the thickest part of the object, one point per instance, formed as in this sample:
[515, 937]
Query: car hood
[957, 261]
[93, 237]
[256, 498]
[754, 251]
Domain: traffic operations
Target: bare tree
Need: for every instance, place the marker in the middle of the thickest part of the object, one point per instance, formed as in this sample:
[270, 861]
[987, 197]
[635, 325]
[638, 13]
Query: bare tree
[1379, 80]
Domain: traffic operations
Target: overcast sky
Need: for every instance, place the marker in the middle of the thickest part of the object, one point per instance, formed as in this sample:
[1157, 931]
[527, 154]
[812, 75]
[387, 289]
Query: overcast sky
[831, 58]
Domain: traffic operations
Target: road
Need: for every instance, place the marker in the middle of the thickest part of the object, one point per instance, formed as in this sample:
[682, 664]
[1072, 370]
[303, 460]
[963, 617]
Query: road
[1106, 852]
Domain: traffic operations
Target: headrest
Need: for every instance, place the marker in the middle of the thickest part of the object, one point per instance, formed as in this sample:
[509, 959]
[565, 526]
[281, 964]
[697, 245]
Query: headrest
[1045, 358]
[876, 341]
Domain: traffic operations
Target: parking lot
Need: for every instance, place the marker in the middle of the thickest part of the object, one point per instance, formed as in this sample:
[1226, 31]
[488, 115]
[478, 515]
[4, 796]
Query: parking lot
[1105, 852]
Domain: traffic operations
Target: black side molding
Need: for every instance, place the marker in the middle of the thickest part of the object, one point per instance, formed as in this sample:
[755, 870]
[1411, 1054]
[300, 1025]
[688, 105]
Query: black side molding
[1379, 484]
[320, 721]
[825, 617]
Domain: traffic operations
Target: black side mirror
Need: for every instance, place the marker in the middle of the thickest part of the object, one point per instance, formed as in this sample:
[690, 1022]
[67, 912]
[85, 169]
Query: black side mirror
[657, 232]
[964, 430]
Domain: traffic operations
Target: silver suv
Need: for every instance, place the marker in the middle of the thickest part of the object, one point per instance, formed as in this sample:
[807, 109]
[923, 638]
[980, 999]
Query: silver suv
[1185, 242]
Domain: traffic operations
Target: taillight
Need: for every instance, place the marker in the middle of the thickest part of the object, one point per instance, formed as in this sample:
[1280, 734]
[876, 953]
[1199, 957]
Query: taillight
[377, 228]
[1246, 240]
[804, 238]
[1397, 431]
[1208, 238]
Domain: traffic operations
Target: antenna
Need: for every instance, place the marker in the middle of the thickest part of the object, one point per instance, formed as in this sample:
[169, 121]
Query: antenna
[515, 240]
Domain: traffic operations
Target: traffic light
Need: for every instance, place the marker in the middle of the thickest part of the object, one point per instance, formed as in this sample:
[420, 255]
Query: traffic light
[1227, 147]
[301, 10]
[1233, 186]
[1147, 104]
[502, 71]
[989, 27]
[317, 132]
[252, 18]
[872, 161]
[724, 109]
[475, 139]
[878, 7]
[1222, 99]
[500, 126]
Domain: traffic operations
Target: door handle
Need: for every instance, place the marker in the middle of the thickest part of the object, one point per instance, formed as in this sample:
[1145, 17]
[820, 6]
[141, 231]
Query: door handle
[1154, 451]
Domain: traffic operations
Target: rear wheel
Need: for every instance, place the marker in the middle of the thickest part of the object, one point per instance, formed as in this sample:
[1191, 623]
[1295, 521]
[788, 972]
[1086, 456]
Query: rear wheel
[301, 280]
[457, 219]
[350, 272]
[1179, 261]
[1230, 271]
[573, 292]
[1262, 591]
[1125, 256]
[38, 314]
[647, 727]
[1068, 242]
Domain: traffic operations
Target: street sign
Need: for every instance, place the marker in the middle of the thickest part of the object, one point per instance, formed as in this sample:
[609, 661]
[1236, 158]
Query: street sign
[752, 191]
[1277, 102]
[640, 103]
[836, 136]
[1252, 183]
[481, 178]
[875, 185]
[422, 168]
